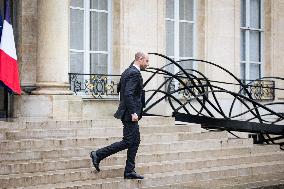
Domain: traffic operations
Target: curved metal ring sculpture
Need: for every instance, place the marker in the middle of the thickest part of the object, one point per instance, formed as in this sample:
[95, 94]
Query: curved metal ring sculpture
[202, 105]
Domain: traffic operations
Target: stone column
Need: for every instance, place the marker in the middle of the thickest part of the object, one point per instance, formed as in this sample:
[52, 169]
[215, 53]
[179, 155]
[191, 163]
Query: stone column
[52, 98]
[52, 47]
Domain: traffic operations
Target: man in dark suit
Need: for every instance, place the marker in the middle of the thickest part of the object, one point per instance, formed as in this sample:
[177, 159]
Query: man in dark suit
[129, 112]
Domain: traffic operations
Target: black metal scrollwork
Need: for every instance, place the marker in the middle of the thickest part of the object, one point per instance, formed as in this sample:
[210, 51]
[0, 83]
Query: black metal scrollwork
[193, 97]
[261, 89]
[216, 106]
[99, 86]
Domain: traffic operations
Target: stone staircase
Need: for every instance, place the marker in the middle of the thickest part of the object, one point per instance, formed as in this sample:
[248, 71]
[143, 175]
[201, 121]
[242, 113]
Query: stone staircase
[55, 154]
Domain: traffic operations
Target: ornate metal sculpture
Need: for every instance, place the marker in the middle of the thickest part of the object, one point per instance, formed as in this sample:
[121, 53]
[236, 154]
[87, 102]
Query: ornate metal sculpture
[195, 98]
[203, 101]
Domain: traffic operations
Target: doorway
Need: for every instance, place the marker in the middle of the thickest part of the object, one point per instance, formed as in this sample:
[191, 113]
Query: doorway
[3, 102]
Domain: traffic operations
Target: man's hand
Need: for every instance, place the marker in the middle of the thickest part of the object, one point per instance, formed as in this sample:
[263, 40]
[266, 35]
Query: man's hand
[134, 117]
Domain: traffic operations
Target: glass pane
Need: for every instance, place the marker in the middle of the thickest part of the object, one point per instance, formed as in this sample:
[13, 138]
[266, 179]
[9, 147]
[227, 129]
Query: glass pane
[77, 3]
[186, 10]
[76, 29]
[255, 46]
[187, 65]
[243, 13]
[254, 71]
[243, 71]
[77, 66]
[99, 4]
[98, 33]
[170, 68]
[186, 40]
[170, 7]
[170, 38]
[99, 63]
[76, 62]
[243, 45]
[255, 13]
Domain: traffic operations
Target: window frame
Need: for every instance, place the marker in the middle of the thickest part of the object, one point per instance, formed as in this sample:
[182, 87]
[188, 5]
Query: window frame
[86, 31]
[177, 22]
[247, 29]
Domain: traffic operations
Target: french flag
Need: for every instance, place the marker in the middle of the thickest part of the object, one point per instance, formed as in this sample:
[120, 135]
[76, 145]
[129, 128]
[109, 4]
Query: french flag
[9, 73]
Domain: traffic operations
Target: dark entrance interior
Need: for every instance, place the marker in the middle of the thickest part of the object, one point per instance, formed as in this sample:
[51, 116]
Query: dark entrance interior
[3, 102]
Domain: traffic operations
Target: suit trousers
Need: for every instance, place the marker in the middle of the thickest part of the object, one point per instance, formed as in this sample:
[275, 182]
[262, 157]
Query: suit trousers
[130, 141]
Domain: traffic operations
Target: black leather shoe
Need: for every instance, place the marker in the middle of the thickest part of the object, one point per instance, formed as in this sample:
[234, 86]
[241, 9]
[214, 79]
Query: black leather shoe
[95, 160]
[132, 175]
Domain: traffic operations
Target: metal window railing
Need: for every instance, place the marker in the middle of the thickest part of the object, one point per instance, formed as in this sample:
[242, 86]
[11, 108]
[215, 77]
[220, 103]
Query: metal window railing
[98, 86]
[199, 87]
[260, 90]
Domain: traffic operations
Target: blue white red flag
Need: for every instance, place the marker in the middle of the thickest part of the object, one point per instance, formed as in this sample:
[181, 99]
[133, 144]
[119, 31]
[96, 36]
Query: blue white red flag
[9, 73]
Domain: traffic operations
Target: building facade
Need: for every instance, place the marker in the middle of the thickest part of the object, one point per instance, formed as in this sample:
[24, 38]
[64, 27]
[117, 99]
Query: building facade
[56, 38]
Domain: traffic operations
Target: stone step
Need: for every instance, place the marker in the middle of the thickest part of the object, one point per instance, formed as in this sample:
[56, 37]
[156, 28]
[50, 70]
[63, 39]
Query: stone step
[256, 184]
[239, 182]
[152, 167]
[92, 180]
[26, 144]
[89, 132]
[2, 135]
[14, 167]
[270, 181]
[188, 145]
[61, 124]
[160, 179]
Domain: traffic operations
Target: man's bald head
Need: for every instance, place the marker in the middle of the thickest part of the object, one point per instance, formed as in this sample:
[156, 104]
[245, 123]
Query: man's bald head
[139, 55]
[142, 60]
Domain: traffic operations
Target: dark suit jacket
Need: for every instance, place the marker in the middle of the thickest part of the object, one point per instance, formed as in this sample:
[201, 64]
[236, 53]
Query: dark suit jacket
[131, 91]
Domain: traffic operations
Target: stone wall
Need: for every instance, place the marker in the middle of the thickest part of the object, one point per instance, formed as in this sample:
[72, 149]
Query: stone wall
[222, 39]
[138, 26]
[277, 43]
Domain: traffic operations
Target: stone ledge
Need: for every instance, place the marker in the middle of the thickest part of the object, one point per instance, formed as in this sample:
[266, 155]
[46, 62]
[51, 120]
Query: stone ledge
[59, 107]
